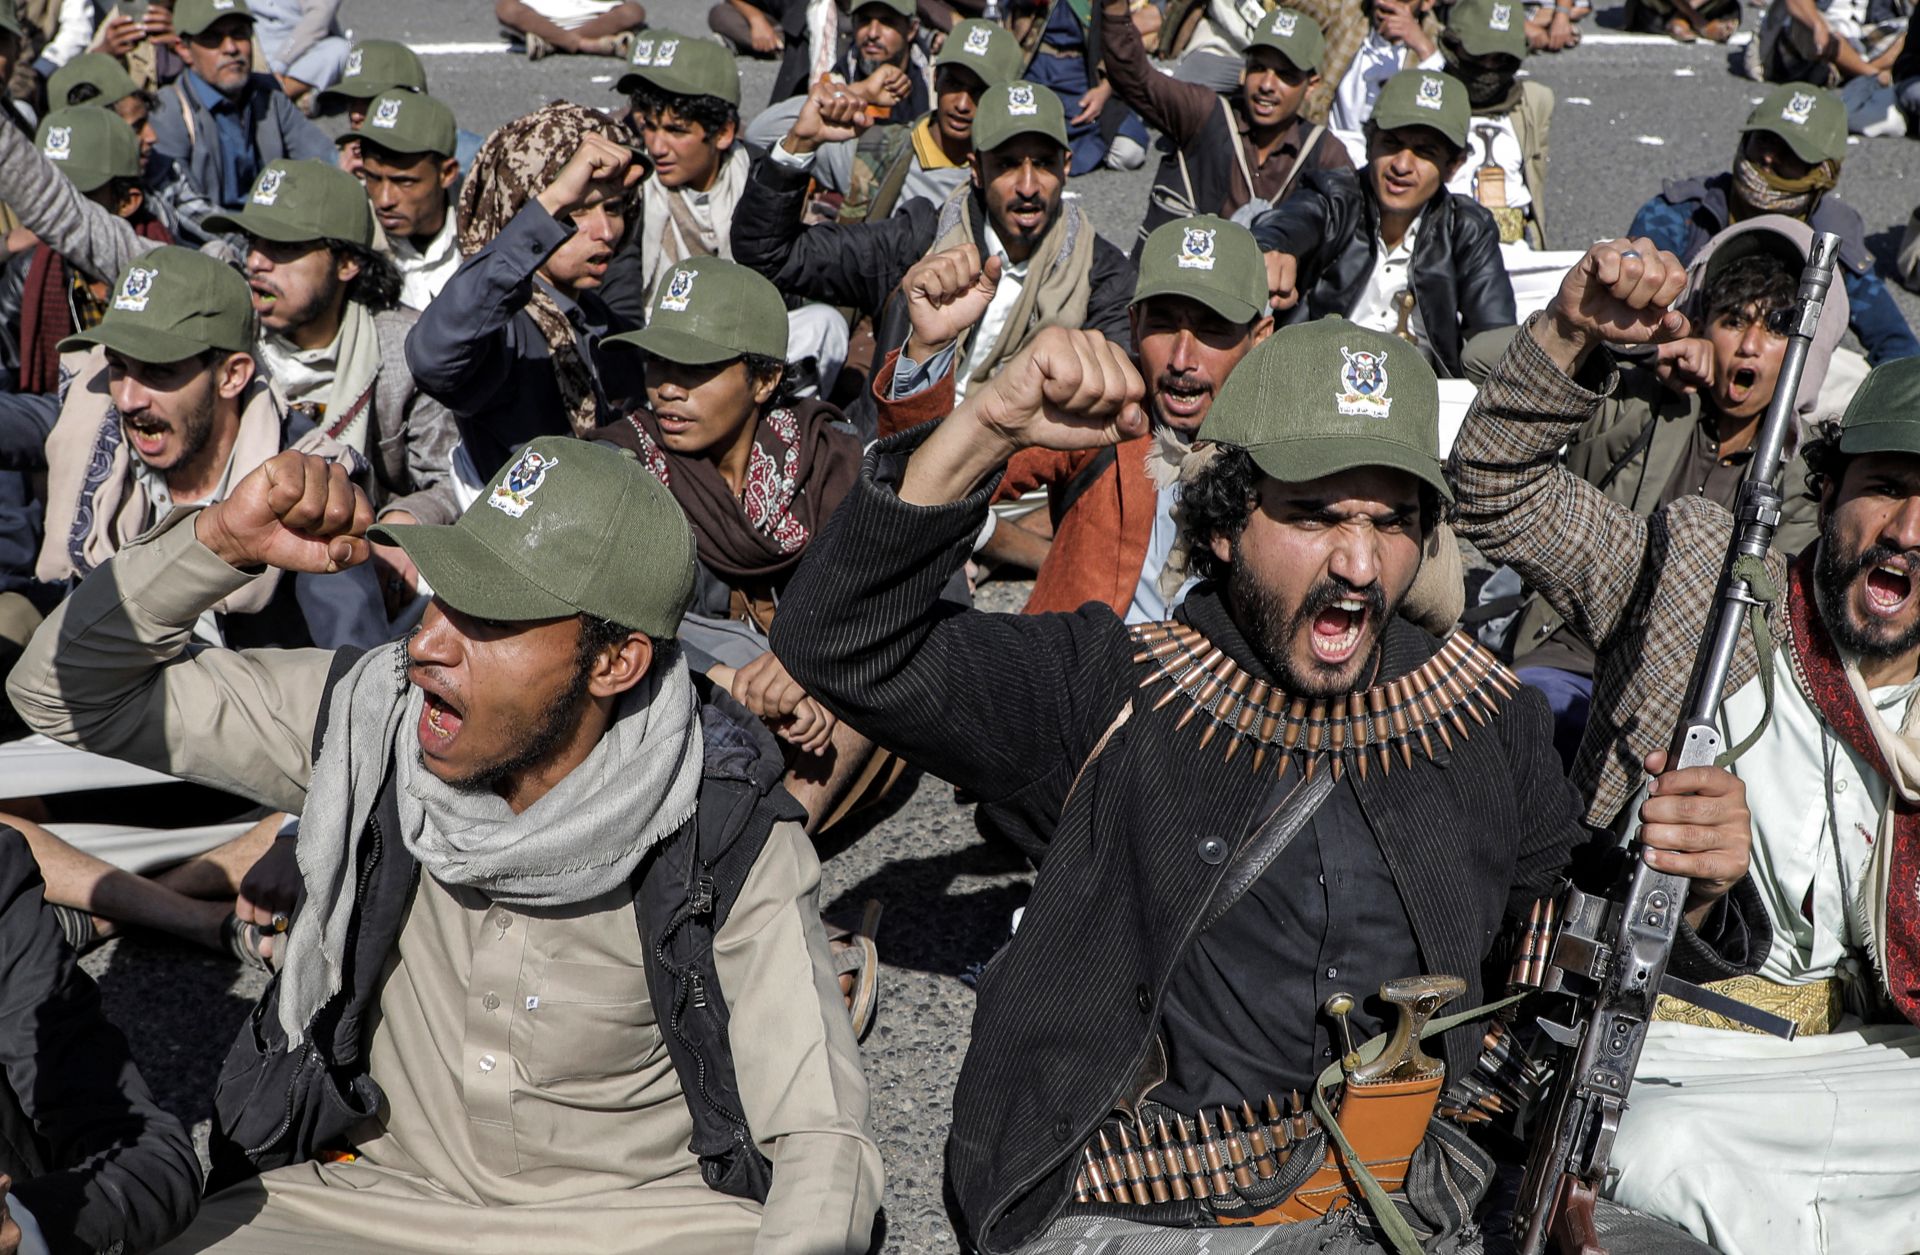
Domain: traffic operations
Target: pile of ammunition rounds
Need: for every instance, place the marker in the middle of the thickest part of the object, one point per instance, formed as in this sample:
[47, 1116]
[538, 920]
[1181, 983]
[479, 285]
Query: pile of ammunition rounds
[1461, 679]
[1141, 1161]
[1503, 1084]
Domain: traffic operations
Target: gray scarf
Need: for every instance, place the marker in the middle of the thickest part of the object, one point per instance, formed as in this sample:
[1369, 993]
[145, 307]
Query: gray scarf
[584, 838]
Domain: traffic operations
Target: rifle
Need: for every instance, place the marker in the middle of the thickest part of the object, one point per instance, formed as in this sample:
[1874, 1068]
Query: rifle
[1611, 953]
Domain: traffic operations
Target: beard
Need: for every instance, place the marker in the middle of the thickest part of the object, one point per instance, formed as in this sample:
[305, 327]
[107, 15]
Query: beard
[1272, 629]
[535, 742]
[1834, 575]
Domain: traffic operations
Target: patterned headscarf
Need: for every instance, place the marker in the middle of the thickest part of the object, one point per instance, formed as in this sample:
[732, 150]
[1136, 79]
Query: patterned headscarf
[516, 163]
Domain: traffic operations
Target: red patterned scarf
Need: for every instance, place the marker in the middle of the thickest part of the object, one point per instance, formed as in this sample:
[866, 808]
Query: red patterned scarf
[1823, 675]
[46, 318]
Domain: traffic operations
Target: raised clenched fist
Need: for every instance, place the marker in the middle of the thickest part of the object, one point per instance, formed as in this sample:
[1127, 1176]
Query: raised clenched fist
[294, 511]
[947, 292]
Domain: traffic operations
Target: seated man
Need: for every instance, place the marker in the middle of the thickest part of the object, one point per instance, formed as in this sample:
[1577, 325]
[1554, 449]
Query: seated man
[304, 45]
[685, 107]
[1237, 155]
[1405, 35]
[757, 474]
[1051, 266]
[404, 146]
[1063, 54]
[512, 344]
[1215, 876]
[1389, 246]
[1200, 305]
[168, 407]
[100, 156]
[504, 1020]
[221, 121]
[1830, 45]
[1506, 160]
[588, 28]
[1681, 426]
[1752, 1143]
[889, 164]
[1788, 162]
[1686, 21]
[374, 68]
[97, 79]
[88, 1161]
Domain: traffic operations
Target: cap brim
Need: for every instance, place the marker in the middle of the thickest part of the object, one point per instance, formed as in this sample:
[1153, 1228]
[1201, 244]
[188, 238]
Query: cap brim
[1880, 437]
[1394, 122]
[393, 144]
[1228, 307]
[672, 345]
[265, 228]
[1795, 138]
[356, 89]
[1311, 457]
[1286, 54]
[1015, 132]
[142, 344]
[468, 575]
[671, 82]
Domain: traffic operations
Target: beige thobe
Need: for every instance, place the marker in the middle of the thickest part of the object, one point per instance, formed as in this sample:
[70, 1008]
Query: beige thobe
[531, 1103]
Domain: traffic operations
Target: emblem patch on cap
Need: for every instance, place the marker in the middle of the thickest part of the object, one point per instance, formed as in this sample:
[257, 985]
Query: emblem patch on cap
[354, 61]
[1020, 101]
[387, 116]
[979, 39]
[679, 291]
[663, 53]
[643, 52]
[267, 190]
[222, 5]
[1799, 110]
[1363, 383]
[59, 143]
[1196, 249]
[1501, 18]
[1432, 93]
[1284, 22]
[135, 290]
[513, 494]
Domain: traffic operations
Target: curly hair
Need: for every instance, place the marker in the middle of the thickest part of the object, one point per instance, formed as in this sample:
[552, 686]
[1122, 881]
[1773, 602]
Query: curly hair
[709, 112]
[377, 286]
[1826, 465]
[1764, 281]
[1220, 499]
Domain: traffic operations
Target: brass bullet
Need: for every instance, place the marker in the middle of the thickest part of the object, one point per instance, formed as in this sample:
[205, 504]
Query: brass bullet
[1258, 1142]
[1296, 722]
[1216, 1166]
[1236, 1158]
[1094, 1181]
[1176, 1179]
[1114, 1170]
[1143, 1166]
[1196, 1175]
[1136, 1167]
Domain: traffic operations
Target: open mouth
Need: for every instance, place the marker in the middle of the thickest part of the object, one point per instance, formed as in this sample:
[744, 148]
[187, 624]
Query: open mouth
[1337, 630]
[439, 722]
[1889, 588]
[1740, 383]
[1185, 398]
[148, 436]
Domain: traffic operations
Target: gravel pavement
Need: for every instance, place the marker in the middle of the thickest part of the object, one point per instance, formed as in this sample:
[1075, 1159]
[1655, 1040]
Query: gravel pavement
[1630, 114]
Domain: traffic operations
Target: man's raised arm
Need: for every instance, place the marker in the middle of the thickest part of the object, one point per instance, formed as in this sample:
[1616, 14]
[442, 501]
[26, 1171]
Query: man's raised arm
[112, 670]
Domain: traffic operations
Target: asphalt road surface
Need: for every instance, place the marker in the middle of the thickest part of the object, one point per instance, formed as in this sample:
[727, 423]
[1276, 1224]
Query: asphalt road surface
[1631, 113]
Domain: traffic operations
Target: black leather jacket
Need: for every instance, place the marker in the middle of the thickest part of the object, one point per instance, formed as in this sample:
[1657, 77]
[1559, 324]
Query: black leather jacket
[1331, 222]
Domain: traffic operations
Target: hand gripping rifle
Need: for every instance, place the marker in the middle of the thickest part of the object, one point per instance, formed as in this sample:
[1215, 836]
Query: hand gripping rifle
[1610, 954]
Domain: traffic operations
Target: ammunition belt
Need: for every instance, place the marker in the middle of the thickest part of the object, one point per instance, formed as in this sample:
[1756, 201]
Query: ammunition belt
[1158, 1157]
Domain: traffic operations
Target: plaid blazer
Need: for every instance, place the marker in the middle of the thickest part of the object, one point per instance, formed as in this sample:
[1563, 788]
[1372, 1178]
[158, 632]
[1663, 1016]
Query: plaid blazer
[1637, 589]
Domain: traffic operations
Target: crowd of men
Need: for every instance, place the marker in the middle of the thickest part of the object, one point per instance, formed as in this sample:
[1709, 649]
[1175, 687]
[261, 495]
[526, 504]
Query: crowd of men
[532, 545]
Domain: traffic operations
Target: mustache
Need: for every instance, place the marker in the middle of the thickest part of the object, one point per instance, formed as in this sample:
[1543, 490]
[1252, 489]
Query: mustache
[1877, 554]
[1324, 594]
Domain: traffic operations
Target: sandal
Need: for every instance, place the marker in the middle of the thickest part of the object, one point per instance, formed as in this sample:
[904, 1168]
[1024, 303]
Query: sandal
[243, 943]
[77, 927]
[1720, 29]
[1681, 30]
[855, 955]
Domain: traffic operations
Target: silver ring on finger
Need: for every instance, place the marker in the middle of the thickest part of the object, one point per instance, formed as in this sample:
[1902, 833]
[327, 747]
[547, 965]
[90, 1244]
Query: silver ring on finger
[1629, 252]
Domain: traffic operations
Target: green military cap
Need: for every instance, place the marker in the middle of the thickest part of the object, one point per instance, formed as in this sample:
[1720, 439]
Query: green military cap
[171, 304]
[1328, 396]
[406, 121]
[1488, 27]
[685, 67]
[10, 20]
[109, 79]
[905, 8]
[1424, 98]
[92, 146]
[567, 527]
[190, 17]
[708, 309]
[296, 201]
[1884, 416]
[1014, 109]
[987, 48]
[1811, 119]
[375, 66]
[1206, 259]
[1293, 35]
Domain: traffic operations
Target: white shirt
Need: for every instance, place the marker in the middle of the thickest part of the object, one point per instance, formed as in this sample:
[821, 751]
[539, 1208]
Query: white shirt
[423, 272]
[1375, 63]
[1148, 605]
[1392, 271]
[1506, 155]
[1013, 278]
[1816, 808]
